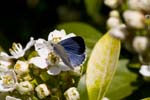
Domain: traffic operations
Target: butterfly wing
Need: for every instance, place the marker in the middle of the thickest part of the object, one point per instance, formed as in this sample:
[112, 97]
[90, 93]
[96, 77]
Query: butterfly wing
[74, 48]
[75, 45]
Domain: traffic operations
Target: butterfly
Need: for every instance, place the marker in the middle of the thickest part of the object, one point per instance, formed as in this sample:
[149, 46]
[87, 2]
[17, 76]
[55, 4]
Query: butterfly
[71, 51]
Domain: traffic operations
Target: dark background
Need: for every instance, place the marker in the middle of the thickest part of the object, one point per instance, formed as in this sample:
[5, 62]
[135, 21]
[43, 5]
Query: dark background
[21, 19]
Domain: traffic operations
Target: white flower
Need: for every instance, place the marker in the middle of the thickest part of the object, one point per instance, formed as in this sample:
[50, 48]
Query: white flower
[17, 50]
[112, 3]
[139, 5]
[24, 87]
[145, 5]
[119, 32]
[145, 70]
[42, 48]
[72, 94]
[57, 36]
[57, 68]
[21, 67]
[42, 91]
[140, 43]
[11, 98]
[134, 19]
[113, 22]
[134, 4]
[114, 13]
[8, 81]
[39, 62]
[47, 58]
[4, 62]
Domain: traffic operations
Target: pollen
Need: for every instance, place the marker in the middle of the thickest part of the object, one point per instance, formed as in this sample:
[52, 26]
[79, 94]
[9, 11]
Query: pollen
[53, 58]
[56, 39]
[7, 79]
[17, 66]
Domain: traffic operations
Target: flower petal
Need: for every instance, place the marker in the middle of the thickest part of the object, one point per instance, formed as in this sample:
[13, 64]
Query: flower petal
[39, 62]
[42, 48]
[55, 34]
[68, 36]
[29, 44]
[63, 67]
[53, 70]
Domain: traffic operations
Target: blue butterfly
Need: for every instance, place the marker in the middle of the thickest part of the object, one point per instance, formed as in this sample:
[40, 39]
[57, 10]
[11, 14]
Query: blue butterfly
[71, 51]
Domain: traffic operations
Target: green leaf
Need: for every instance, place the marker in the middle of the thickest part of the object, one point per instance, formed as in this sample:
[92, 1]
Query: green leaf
[102, 66]
[121, 85]
[82, 88]
[87, 32]
[92, 6]
[146, 98]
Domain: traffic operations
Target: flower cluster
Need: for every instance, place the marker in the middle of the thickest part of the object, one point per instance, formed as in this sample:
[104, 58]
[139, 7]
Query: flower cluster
[36, 71]
[131, 24]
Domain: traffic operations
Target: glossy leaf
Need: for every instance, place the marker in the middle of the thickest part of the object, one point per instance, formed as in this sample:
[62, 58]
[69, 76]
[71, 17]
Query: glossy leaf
[146, 98]
[102, 66]
[82, 88]
[122, 83]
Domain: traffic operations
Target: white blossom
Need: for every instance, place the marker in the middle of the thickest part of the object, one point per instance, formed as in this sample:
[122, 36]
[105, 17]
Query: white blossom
[139, 5]
[47, 58]
[24, 87]
[134, 19]
[17, 50]
[57, 68]
[140, 43]
[21, 67]
[112, 3]
[119, 32]
[11, 98]
[42, 48]
[39, 62]
[145, 5]
[145, 70]
[42, 91]
[114, 13]
[72, 94]
[113, 22]
[57, 36]
[134, 4]
[8, 81]
[4, 62]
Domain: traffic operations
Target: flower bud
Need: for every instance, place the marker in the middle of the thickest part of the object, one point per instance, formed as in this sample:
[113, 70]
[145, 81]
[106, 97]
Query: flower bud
[145, 5]
[24, 87]
[134, 19]
[134, 4]
[21, 67]
[140, 44]
[114, 13]
[145, 71]
[112, 3]
[42, 91]
[72, 94]
[119, 32]
[113, 22]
